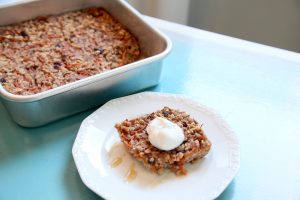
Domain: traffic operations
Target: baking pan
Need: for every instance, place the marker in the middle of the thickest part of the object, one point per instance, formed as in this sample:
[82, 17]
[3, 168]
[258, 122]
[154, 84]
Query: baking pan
[48, 106]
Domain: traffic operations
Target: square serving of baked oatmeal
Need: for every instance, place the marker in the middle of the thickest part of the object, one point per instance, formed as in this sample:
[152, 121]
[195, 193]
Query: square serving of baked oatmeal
[133, 134]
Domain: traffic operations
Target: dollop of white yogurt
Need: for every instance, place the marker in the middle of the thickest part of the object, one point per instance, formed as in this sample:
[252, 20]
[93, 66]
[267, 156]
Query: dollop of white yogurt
[164, 134]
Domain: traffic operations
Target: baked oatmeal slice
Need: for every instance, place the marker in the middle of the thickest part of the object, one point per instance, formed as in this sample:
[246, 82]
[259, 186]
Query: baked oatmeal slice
[135, 137]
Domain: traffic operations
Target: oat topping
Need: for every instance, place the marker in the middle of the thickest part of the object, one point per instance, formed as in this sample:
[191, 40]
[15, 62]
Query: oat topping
[47, 52]
[195, 145]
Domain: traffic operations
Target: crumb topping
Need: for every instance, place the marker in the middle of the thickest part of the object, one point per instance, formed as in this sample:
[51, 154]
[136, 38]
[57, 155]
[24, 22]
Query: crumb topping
[47, 52]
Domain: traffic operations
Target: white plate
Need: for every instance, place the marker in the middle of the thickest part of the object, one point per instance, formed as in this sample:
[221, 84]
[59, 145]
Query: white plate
[206, 179]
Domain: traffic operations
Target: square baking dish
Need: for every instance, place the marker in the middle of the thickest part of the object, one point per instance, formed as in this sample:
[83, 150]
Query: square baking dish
[51, 105]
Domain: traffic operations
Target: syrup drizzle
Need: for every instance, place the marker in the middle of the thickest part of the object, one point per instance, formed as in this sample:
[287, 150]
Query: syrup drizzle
[131, 173]
[116, 162]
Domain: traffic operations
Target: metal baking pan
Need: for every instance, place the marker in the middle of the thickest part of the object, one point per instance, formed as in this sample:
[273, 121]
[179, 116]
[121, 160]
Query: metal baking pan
[48, 106]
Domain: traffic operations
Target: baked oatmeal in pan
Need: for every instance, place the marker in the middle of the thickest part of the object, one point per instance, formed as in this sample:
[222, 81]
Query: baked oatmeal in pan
[47, 52]
[133, 134]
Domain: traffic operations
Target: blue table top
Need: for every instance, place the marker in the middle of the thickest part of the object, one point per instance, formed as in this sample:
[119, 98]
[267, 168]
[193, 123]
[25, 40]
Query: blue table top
[254, 87]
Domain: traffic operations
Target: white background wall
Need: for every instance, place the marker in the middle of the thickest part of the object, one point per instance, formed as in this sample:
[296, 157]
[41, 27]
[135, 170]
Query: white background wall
[272, 22]
[172, 10]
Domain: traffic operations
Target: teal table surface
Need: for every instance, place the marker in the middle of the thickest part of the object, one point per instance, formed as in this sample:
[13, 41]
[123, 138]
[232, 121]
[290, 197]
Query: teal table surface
[254, 87]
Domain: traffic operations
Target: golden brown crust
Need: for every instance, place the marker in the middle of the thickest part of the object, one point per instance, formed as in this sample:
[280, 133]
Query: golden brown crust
[48, 52]
[134, 136]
